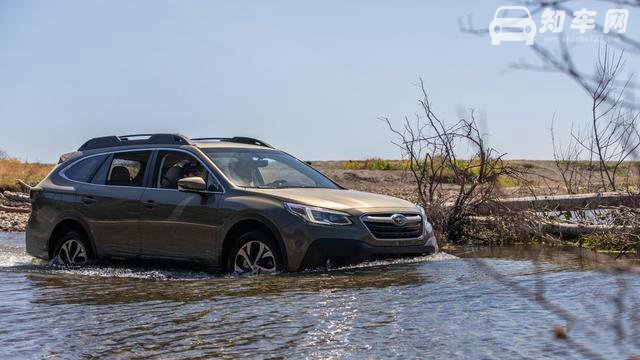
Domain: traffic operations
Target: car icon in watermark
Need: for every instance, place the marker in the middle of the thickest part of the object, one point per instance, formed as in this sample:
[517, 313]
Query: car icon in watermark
[512, 23]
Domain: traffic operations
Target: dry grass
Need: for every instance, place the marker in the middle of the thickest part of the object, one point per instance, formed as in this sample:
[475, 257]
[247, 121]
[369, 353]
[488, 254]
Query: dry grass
[376, 164]
[13, 169]
[447, 176]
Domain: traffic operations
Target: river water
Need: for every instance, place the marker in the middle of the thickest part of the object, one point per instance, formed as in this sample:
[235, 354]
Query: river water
[482, 303]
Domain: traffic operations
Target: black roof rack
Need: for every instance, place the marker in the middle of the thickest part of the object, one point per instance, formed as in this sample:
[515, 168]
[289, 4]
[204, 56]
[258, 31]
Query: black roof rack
[236, 139]
[134, 139]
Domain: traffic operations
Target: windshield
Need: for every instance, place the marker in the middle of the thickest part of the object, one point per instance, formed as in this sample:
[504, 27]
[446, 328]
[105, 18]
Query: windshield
[255, 168]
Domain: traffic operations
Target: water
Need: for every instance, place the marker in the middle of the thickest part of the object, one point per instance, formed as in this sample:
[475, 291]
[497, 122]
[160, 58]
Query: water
[480, 304]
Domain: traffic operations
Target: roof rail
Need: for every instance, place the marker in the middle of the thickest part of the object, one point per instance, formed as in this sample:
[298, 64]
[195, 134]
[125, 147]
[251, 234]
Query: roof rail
[122, 140]
[236, 139]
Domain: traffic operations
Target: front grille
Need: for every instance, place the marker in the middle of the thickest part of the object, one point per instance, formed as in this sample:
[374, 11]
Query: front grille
[382, 226]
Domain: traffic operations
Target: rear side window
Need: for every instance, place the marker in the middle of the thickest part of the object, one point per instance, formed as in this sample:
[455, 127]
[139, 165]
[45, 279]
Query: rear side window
[125, 169]
[84, 169]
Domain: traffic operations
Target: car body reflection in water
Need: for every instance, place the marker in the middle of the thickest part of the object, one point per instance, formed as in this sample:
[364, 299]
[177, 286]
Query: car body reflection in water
[443, 306]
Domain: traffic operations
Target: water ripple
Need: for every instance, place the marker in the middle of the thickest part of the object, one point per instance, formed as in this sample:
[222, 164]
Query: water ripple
[437, 306]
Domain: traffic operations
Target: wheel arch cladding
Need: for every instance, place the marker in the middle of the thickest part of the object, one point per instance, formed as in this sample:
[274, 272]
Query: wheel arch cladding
[61, 228]
[252, 224]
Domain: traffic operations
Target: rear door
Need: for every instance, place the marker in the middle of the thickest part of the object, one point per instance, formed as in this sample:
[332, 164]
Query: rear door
[110, 202]
[177, 224]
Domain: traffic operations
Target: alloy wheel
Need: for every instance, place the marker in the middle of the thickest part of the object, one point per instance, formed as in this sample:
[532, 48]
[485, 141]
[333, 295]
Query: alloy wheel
[72, 252]
[255, 257]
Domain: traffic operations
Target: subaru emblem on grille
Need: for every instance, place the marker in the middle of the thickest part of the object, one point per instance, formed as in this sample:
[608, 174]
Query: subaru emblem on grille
[399, 219]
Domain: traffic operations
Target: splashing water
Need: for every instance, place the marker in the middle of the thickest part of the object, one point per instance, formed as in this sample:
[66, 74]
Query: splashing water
[14, 258]
[432, 306]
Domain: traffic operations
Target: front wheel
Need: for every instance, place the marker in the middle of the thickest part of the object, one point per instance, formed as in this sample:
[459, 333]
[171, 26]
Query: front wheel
[73, 250]
[254, 253]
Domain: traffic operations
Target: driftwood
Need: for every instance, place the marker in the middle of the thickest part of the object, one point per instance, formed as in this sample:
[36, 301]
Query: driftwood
[569, 230]
[12, 209]
[561, 202]
[17, 197]
[7, 205]
[26, 188]
[573, 230]
[15, 202]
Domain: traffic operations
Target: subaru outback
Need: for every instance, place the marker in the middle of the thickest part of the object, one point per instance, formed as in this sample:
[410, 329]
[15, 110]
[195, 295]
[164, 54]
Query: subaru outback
[232, 204]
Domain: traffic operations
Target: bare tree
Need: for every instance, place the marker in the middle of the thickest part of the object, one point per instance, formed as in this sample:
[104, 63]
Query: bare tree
[566, 159]
[611, 136]
[435, 150]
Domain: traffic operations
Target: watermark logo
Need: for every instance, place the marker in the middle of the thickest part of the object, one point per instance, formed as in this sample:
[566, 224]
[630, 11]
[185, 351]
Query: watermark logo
[552, 21]
[514, 23]
[616, 19]
[583, 20]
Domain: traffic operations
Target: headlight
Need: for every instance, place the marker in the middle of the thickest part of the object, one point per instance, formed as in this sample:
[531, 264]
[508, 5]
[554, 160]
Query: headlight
[316, 215]
[427, 225]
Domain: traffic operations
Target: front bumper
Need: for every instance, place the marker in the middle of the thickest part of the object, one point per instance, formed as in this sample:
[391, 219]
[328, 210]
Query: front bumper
[309, 245]
[345, 251]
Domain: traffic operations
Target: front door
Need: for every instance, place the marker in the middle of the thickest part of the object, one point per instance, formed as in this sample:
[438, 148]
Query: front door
[177, 224]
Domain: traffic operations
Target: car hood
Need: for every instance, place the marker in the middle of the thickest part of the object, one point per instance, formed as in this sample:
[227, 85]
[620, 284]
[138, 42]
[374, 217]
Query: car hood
[337, 199]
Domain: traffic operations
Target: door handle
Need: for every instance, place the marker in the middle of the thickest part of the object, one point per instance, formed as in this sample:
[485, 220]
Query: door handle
[88, 200]
[150, 204]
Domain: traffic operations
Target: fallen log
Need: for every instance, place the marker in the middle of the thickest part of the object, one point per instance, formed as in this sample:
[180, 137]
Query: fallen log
[560, 202]
[14, 203]
[18, 197]
[11, 209]
[574, 230]
[556, 228]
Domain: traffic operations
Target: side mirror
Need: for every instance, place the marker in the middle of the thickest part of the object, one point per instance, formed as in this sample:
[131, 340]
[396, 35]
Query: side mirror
[192, 184]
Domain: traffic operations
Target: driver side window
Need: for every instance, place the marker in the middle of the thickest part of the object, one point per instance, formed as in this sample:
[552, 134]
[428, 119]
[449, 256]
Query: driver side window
[175, 165]
[275, 172]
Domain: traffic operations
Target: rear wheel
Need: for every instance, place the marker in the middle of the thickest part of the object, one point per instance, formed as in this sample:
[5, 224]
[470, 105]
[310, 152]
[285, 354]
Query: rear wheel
[73, 249]
[255, 253]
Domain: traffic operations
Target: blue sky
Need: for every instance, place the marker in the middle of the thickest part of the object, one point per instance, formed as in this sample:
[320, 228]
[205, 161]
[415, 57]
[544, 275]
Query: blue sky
[310, 77]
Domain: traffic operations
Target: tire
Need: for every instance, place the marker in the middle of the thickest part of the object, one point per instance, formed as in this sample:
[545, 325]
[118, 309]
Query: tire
[254, 252]
[72, 249]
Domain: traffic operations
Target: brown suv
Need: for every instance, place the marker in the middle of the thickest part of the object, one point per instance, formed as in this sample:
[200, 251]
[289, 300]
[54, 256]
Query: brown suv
[234, 204]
